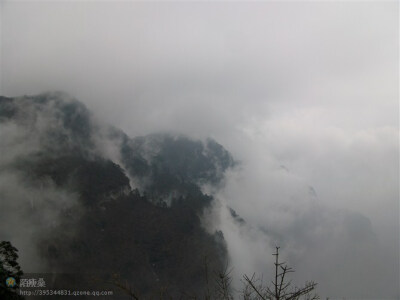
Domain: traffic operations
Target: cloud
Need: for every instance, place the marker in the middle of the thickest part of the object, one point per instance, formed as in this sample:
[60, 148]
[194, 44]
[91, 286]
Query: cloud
[29, 209]
[310, 86]
[28, 212]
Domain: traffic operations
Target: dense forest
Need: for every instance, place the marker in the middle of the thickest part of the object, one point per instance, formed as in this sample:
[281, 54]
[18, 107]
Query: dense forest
[149, 235]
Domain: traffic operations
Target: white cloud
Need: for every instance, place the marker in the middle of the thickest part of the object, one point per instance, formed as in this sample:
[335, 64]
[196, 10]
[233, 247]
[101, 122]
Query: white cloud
[312, 86]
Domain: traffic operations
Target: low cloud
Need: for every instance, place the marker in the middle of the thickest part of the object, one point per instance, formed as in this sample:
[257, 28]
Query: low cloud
[304, 95]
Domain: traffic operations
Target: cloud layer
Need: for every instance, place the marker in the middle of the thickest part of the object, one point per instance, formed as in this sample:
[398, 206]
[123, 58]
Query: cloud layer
[304, 94]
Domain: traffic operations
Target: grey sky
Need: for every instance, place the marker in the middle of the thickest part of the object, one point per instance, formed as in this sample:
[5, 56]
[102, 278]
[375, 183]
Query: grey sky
[312, 86]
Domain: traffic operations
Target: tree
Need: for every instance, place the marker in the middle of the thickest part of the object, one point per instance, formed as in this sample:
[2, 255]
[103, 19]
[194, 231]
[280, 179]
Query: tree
[281, 287]
[9, 268]
[223, 285]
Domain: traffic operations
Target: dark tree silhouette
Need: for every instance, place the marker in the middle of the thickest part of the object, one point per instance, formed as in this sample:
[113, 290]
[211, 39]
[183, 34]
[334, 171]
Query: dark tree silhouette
[9, 268]
[281, 288]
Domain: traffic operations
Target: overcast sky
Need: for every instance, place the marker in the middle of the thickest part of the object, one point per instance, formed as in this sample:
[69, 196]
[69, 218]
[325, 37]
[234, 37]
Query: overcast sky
[304, 94]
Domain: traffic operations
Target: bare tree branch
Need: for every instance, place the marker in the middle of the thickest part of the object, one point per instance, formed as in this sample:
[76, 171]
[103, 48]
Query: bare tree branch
[280, 288]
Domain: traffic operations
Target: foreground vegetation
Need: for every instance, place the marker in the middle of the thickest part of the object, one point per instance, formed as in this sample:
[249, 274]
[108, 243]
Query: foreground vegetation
[218, 286]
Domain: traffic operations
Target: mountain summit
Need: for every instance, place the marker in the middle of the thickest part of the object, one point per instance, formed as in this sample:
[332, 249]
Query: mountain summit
[100, 203]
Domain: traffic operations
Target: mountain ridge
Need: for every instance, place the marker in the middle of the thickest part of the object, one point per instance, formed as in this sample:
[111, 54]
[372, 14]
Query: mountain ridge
[150, 234]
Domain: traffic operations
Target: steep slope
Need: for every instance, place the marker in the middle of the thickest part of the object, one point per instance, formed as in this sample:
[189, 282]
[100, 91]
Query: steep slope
[149, 235]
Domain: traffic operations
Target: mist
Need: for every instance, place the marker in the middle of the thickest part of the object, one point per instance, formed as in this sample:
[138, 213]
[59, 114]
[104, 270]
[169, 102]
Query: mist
[304, 95]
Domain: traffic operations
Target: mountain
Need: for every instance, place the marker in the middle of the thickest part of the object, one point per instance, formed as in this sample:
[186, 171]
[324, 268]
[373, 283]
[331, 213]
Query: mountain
[100, 204]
